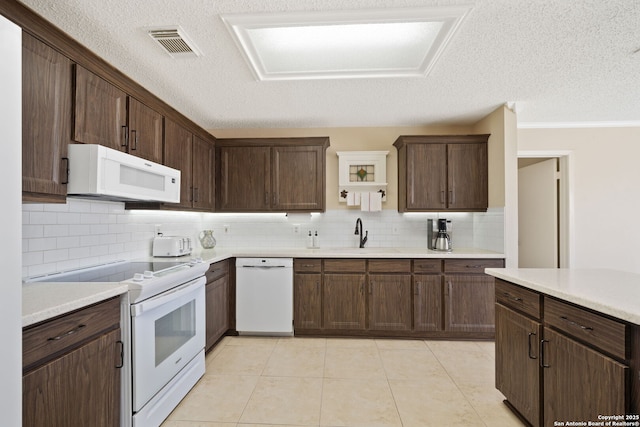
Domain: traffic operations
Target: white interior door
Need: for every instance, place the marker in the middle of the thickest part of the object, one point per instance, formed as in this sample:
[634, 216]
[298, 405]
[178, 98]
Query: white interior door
[538, 215]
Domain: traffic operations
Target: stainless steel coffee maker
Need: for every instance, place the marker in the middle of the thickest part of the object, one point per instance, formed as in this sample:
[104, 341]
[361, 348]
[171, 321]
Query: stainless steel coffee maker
[442, 239]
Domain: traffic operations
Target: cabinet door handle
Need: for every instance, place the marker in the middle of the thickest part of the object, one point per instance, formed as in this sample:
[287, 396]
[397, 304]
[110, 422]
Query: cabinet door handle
[452, 200]
[125, 136]
[447, 289]
[121, 362]
[191, 198]
[266, 198]
[66, 175]
[66, 334]
[134, 139]
[442, 197]
[542, 364]
[370, 287]
[196, 195]
[531, 334]
[416, 289]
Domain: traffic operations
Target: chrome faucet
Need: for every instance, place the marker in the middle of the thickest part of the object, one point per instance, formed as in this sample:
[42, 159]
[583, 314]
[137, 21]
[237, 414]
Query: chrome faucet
[363, 240]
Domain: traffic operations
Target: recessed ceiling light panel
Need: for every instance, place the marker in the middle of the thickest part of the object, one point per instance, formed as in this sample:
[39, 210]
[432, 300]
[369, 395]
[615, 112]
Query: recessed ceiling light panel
[344, 44]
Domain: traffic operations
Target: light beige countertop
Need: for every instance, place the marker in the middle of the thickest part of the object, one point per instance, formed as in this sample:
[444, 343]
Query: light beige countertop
[611, 292]
[44, 300]
[214, 255]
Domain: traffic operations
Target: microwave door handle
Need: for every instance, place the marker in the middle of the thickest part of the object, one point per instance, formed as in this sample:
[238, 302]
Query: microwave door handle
[163, 298]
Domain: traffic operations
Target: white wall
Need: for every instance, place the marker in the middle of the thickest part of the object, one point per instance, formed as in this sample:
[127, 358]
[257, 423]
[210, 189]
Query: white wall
[605, 192]
[10, 194]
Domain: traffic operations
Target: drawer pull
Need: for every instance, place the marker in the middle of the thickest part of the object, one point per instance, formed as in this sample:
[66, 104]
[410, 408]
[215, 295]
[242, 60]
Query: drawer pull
[308, 265]
[508, 295]
[572, 323]
[473, 266]
[531, 334]
[66, 334]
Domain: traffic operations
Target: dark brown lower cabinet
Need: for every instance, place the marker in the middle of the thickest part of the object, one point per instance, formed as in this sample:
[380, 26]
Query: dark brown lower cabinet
[427, 302]
[518, 374]
[469, 303]
[344, 301]
[394, 297]
[559, 362]
[580, 383]
[390, 302]
[216, 303]
[71, 369]
[307, 294]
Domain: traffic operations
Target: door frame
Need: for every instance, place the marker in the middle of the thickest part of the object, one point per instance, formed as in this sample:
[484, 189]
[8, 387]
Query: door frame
[565, 201]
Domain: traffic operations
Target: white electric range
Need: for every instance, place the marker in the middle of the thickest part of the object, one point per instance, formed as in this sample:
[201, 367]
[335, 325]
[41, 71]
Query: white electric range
[163, 324]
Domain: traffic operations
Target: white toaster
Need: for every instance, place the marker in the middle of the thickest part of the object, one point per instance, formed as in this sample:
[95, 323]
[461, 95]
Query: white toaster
[170, 246]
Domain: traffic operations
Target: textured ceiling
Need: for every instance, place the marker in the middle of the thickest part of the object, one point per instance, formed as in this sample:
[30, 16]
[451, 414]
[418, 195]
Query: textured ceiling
[560, 61]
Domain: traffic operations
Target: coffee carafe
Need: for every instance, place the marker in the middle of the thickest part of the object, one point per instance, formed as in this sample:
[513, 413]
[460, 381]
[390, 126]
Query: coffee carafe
[443, 239]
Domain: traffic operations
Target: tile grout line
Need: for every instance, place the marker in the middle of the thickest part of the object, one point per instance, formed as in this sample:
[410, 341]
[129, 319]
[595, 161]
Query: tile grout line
[386, 376]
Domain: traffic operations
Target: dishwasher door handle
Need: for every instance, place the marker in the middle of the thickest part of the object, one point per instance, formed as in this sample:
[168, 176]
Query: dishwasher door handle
[265, 267]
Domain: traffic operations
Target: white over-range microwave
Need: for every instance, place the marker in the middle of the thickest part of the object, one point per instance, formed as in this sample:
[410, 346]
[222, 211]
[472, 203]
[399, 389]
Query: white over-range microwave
[99, 172]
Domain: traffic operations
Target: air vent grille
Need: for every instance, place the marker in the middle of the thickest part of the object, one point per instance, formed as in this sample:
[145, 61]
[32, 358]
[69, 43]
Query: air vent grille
[175, 42]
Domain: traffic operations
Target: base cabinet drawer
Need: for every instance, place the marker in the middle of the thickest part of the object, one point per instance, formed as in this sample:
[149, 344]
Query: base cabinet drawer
[596, 330]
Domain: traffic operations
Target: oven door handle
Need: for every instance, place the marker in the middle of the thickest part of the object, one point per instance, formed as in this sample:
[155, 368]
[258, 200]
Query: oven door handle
[159, 300]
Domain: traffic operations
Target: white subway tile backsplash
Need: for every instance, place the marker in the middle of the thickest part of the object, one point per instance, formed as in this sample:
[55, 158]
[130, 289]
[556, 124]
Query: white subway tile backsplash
[82, 232]
[43, 218]
[56, 231]
[30, 259]
[55, 255]
[68, 218]
[56, 207]
[67, 242]
[32, 231]
[79, 230]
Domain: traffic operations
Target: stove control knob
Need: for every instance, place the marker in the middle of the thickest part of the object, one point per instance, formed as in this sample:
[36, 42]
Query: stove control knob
[148, 274]
[138, 277]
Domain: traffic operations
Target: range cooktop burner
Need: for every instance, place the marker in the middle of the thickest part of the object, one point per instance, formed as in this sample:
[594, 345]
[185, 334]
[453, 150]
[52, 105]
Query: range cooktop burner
[116, 272]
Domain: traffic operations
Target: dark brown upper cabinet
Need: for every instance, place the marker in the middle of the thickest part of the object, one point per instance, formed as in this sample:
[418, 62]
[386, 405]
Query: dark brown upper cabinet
[46, 121]
[271, 174]
[145, 131]
[101, 114]
[194, 157]
[440, 173]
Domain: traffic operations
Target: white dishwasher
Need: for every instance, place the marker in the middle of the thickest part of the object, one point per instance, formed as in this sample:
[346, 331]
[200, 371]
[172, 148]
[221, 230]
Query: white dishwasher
[264, 296]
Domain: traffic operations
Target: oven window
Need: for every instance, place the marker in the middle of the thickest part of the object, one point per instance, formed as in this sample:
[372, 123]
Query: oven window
[174, 330]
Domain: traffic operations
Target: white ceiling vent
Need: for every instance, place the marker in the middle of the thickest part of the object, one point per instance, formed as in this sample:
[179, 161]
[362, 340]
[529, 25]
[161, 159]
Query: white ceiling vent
[175, 42]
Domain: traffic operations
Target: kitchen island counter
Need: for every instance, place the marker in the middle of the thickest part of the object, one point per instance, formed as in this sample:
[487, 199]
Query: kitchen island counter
[612, 292]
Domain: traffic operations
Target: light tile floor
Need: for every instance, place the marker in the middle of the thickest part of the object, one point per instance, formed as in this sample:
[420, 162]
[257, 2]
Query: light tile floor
[342, 382]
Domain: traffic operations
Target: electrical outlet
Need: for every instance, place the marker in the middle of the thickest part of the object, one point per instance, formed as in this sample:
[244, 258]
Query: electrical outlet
[156, 229]
[226, 229]
[296, 229]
